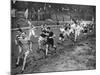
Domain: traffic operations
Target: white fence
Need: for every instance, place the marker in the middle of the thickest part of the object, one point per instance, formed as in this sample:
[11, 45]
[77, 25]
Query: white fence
[53, 26]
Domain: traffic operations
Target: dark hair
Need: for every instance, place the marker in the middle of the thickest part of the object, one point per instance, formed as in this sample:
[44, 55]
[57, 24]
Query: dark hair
[20, 30]
[25, 32]
[48, 27]
[74, 21]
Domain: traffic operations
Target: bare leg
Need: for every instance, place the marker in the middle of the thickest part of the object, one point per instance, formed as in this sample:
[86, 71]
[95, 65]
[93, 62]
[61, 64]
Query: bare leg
[18, 60]
[33, 33]
[26, 54]
[20, 49]
[47, 49]
[30, 34]
[30, 47]
[39, 43]
[75, 36]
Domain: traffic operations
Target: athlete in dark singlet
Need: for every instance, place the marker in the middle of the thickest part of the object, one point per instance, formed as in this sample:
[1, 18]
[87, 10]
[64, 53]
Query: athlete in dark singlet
[50, 37]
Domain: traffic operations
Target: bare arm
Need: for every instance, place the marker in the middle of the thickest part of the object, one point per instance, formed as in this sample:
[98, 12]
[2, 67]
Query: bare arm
[30, 46]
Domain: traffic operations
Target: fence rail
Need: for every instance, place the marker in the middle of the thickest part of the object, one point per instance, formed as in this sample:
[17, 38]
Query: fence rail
[52, 26]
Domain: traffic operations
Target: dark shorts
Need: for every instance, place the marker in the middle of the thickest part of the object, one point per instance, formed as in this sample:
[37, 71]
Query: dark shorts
[50, 41]
[19, 43]
[61, 35]
[85, 31]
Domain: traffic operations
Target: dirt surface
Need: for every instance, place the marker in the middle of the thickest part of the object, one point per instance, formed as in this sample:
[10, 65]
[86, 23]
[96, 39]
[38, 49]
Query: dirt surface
[67, 57]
